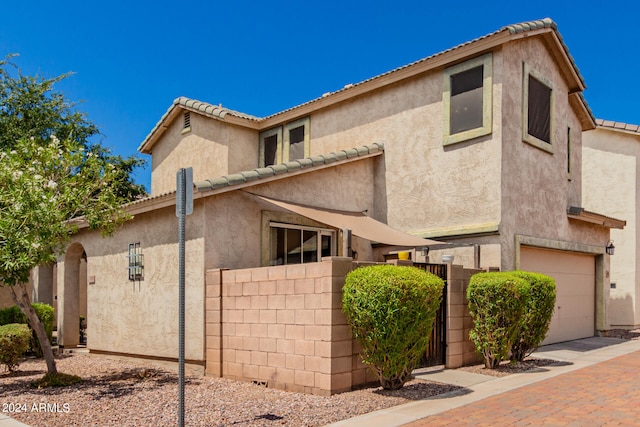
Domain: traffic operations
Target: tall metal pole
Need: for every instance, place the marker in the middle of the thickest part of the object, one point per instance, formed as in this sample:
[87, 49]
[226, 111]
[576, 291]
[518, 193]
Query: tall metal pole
[181, 285]
[184, 207]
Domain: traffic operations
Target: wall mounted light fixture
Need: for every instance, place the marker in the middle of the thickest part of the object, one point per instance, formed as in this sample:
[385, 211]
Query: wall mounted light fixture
[136, 262]
[610, 248]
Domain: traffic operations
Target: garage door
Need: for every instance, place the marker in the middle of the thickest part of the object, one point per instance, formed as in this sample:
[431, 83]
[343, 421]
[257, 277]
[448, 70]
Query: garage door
[574, 316]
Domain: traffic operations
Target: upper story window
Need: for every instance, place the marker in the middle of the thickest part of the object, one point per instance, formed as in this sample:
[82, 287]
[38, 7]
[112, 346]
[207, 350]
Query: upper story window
[537, 108]
[296, 244]
[285, 143]
[467, 99]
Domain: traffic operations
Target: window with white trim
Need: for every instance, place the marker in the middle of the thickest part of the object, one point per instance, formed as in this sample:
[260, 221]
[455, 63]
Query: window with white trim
[467, 100]
[537, 110]
[285, 143]
[296, 244]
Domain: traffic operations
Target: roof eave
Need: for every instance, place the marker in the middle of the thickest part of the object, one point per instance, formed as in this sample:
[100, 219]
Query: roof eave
[580, 214]
[612, 126]
[439, 60]
[174, 111]
[202, 186]
[445, 59]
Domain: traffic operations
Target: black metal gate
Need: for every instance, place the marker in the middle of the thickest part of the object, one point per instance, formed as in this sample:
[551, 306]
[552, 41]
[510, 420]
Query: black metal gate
[435, 353]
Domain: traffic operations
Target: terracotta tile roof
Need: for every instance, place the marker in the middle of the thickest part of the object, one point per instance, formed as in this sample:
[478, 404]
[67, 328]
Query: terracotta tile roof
[210, 110]
[618, 126]
[289, 167]
[238, 179]
[539, 24]
[204, 108]
[512, 29]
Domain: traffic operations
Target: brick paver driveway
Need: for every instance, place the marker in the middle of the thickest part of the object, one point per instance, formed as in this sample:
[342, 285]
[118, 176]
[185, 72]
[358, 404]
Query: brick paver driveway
[604, 394]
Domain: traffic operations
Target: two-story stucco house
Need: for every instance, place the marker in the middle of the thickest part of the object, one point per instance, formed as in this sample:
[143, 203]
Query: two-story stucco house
[611, 158]
[479, 146]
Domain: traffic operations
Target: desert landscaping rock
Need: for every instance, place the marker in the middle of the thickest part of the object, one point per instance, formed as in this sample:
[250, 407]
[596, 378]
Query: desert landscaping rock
[117, 393]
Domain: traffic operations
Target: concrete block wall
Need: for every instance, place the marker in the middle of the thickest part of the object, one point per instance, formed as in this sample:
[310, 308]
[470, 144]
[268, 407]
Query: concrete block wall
[460, 349]
[282, 326]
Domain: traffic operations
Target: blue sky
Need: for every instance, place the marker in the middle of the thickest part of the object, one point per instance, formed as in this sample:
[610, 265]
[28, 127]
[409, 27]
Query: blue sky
[132, 59]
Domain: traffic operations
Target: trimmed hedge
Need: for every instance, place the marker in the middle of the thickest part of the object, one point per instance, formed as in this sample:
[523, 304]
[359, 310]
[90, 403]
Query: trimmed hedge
[44, 312]
[12, 315]
[14, 342]
[497, 301]
[391, 310]
[534, 324]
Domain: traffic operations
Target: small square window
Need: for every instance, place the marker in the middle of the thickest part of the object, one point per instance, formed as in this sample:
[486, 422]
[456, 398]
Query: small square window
[270, 150]
[467, 100]
[296, 143]
[283, 144]
[537, 110]
[296, 140]
[270, 147]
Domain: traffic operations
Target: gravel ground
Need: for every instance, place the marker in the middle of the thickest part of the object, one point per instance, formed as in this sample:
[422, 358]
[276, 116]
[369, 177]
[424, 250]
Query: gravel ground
[117, 393]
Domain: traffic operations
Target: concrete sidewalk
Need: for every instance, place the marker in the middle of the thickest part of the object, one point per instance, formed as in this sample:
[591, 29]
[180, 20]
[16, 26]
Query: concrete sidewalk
[571, 356]
[7, 421]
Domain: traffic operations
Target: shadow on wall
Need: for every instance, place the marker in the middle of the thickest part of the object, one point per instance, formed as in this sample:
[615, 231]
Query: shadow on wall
[621, 310]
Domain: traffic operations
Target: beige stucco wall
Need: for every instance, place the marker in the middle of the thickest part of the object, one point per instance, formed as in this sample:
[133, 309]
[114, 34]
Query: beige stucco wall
[233, 226]
[610, 160]
[211, 147]
[141, 318]
[421, 184]
[536, 186]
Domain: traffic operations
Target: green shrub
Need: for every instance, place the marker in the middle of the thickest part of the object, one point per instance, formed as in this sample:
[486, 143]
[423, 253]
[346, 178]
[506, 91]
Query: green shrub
[534, 324]
[391, 310]
[496, 303]
[12, 314]
[45, 314]
[14, 342]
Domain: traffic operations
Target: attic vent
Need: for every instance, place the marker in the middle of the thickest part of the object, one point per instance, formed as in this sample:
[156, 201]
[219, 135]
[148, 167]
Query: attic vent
[187, 120]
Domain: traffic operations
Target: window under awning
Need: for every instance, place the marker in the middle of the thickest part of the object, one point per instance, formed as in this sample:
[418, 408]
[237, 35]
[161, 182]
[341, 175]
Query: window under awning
[359, 224]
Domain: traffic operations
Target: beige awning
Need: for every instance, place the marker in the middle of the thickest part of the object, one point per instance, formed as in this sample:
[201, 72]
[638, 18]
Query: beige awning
[359, 224]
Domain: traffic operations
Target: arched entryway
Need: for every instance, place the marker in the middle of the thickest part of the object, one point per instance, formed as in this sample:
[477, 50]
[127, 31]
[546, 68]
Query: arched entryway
[72, 295]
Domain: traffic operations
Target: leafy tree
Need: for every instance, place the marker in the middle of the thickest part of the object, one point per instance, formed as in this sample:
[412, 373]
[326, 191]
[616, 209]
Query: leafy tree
[47, 188]
[30, 107]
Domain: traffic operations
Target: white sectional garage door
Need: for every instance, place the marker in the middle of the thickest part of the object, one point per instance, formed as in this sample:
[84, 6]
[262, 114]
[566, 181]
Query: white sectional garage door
[574, 316]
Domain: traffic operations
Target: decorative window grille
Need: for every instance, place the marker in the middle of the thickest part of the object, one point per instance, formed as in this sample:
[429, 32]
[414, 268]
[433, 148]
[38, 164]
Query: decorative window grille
[136, 262]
